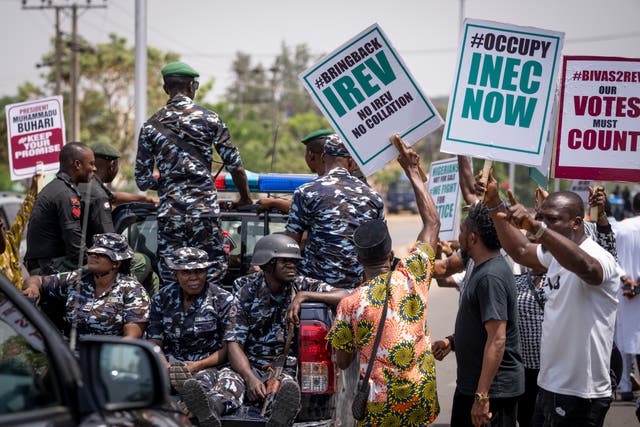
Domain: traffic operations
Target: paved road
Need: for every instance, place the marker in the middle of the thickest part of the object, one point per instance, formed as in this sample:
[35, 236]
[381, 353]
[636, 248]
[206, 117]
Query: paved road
[441, 315]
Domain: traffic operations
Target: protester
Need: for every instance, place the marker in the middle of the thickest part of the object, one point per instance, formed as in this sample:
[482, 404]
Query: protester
[581, 284]
[178, 139]
[188, 319]
[258, 332]
[54, 235]
[103, 299]
[628, 319]
[490, 375]
[330, 208]
[10, 240]
[403, 388]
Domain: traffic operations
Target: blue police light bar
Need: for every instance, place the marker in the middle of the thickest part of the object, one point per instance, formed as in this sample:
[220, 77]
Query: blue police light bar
[266, 182]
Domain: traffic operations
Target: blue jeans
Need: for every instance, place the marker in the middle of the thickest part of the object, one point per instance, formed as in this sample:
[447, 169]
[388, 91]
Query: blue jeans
[559, 410]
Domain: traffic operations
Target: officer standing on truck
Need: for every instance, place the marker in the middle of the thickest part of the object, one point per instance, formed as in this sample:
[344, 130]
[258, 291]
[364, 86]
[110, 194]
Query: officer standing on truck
[259, 329]
[330, 208]
[54, 235]
[178, 140]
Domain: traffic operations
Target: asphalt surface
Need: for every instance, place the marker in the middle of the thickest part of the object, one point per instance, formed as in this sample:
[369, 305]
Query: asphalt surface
[441, 315]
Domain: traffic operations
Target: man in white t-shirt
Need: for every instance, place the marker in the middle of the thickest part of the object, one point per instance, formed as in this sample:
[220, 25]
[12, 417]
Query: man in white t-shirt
[579, 316]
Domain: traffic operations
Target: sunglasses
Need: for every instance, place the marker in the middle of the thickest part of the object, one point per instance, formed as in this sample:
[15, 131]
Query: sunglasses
[195, 84]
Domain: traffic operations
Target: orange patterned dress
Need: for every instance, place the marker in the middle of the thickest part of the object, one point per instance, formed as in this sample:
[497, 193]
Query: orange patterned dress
[403, 390]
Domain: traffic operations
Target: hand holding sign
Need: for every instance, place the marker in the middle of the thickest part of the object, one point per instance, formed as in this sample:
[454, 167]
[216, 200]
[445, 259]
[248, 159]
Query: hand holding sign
[408, 157]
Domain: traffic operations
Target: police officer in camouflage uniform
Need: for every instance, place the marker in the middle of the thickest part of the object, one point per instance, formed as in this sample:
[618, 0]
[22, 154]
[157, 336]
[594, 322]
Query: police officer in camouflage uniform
[103, 299]
[178, 139]
[330, 208]
[54, 235]
[187, 321]
[258, 329]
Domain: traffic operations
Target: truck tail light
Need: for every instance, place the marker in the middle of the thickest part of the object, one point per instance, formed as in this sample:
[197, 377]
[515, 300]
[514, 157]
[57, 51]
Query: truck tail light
[315, 358]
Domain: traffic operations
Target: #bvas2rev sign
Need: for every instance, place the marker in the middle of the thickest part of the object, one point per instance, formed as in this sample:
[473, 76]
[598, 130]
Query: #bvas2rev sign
[35, 131]
[367, 93]
[500, 108]
[598, 134]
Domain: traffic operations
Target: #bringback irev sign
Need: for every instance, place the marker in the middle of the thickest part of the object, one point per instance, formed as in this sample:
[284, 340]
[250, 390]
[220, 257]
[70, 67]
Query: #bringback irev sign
[367, 93]
[444, 184]
[598, 134]
[502, 99]
[35, 131]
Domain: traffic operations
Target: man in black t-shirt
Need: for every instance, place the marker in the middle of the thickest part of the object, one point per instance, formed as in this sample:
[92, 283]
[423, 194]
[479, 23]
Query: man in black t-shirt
[490, 375]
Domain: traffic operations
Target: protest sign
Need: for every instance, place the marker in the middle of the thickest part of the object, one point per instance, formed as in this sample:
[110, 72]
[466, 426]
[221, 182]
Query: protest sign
[367, 93]
[500, 108]
[35, 131]
[598, 128]
[444, 183]
[581, 188]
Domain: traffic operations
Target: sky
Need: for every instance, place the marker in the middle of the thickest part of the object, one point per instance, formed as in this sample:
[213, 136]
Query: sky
[208, 33]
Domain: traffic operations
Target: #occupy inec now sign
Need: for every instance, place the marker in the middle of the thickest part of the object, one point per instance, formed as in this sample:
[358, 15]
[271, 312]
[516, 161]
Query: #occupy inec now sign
[599, 125]
[367, 93]
[504, 91]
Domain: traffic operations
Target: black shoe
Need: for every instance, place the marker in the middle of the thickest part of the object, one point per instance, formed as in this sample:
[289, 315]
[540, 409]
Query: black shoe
[286, 405]
[207, 410]
[626, 396]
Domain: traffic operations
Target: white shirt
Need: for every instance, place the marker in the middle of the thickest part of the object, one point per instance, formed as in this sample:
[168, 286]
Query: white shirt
[578, 327]
[628, 320]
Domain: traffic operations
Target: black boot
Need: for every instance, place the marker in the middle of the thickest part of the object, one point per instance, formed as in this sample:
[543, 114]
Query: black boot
[286, 405]
[206, 409]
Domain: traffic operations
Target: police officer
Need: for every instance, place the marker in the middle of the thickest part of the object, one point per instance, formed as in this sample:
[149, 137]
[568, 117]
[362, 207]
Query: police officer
[187, 322]
[54, 235]
[330, 208]
[178, 139]
[258, 329]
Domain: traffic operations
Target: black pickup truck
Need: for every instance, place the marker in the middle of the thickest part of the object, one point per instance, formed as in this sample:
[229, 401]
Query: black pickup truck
[317, 373]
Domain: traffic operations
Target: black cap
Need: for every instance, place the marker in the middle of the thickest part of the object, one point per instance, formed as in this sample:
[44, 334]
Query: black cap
[372, 240]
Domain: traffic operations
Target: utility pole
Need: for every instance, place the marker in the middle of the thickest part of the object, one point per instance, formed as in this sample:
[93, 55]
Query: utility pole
[58, 5]
[141, 66]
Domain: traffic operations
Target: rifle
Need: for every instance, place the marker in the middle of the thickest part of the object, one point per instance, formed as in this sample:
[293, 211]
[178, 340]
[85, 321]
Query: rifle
[275, 373]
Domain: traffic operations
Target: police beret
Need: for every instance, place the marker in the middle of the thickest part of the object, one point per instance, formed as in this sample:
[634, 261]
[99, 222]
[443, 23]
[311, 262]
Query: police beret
[315, 134]
[102, 149]
[333, 146]
[372, 240]
[179, 69]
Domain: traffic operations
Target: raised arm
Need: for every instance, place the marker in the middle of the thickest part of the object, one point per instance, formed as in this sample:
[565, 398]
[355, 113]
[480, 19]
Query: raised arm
[410, 162]
[467, 180]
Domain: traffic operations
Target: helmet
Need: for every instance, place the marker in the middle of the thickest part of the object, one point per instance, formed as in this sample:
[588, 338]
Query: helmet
[275, 246]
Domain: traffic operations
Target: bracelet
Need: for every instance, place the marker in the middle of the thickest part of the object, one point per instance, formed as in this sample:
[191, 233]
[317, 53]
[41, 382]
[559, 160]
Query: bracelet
[496, 207]
[540, 232]
[452, 342]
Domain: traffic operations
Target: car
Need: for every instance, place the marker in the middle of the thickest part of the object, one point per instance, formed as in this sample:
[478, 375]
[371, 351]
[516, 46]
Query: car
[400, 197]
[110, 381]
[317, 372]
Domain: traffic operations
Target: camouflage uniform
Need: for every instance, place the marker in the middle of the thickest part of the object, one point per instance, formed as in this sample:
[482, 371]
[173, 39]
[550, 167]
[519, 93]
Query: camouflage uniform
[187, 209]
[330, 208]
[125, 302]
[258, 319]
[197, 334]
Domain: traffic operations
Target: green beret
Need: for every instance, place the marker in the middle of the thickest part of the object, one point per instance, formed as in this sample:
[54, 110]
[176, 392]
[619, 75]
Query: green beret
[315, 134]
[179, 69]
[104, 150]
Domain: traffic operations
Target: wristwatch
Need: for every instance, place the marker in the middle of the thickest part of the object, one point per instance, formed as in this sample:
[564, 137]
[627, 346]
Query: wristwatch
[481, 398]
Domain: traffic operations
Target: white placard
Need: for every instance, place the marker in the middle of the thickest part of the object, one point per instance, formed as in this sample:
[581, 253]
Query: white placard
[444, 186]
[35, 132]
[599, 126]
[505, 85]
[368, 94]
